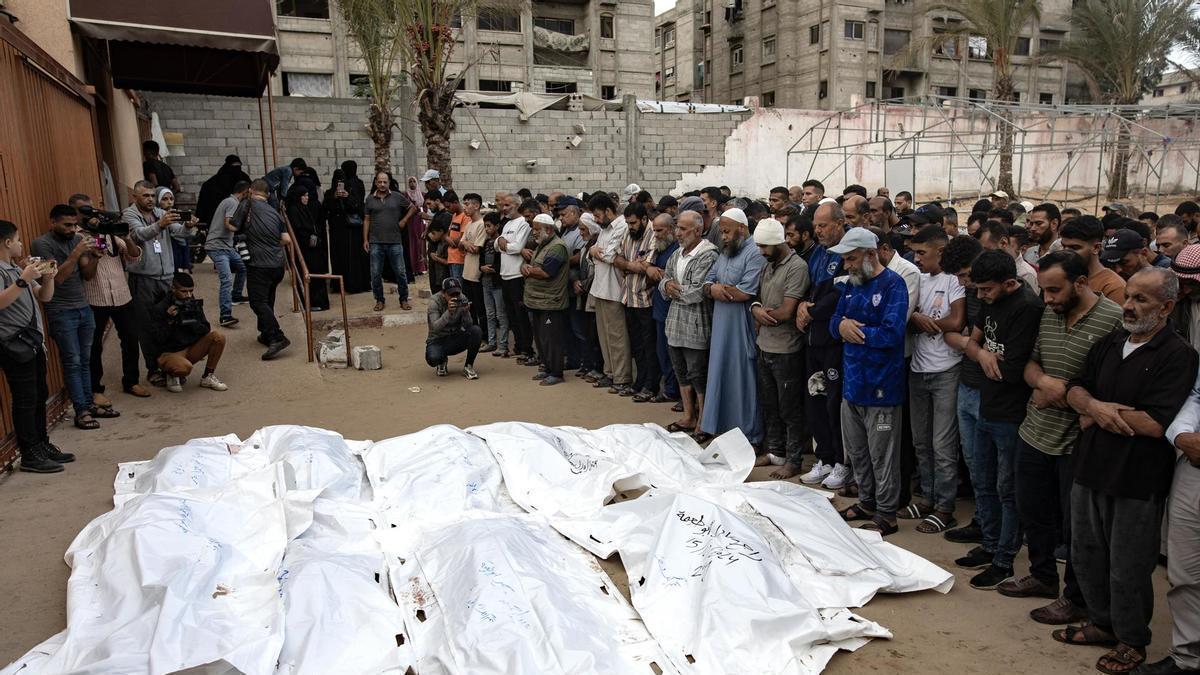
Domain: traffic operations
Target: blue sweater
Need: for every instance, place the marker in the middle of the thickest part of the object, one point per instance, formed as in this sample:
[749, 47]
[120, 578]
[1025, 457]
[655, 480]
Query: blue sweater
[873, 372]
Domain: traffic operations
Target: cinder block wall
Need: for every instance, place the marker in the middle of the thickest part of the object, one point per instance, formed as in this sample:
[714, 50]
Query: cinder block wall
[326, 132]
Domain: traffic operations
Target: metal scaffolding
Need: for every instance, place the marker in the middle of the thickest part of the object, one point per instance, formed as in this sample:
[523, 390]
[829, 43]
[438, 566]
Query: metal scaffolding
[967, 132]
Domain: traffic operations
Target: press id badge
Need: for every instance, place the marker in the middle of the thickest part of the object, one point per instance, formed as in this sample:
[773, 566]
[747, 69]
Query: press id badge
[157, 246]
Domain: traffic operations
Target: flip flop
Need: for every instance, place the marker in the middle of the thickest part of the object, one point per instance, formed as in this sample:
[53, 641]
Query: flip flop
[881, 525]
[935, 524]
[675, 427]
[855, 512]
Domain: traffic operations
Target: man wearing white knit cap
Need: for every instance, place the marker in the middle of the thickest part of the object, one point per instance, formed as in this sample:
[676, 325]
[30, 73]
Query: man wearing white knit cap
[732, 397]
[781, 384]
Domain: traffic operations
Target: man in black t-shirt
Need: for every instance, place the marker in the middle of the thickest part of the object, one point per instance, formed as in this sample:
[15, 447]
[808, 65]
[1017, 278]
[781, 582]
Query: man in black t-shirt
[1132, 386]
[155, 170]
[1001, 341]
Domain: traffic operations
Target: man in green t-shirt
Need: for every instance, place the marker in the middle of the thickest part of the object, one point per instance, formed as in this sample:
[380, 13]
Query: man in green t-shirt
[1074, 319]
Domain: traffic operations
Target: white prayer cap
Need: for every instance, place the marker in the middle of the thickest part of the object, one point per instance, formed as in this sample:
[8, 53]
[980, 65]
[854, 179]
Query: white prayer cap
[736, 215]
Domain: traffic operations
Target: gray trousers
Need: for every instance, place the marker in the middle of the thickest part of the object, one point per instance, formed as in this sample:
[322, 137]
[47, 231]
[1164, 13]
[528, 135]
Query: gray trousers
[933, 407]
[1114, 548]
[871, 438]
[1183, 564]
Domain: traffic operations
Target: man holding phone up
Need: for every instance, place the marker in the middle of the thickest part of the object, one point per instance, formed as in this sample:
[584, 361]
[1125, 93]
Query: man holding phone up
[451, 329]
[150, 275]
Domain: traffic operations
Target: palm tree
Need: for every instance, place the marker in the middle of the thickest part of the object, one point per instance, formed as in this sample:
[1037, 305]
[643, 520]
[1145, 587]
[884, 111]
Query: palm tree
[1000, 23]
[421, 34]
[1122, 47]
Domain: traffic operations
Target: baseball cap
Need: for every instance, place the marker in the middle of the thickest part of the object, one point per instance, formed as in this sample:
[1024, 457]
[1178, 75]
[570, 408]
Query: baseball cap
[1187, 263]
[1122, 242]
[999, 193]
[430, 175]
[854, 239]
[565, 201]
[451, 285]
[769, 232]
[736, 215]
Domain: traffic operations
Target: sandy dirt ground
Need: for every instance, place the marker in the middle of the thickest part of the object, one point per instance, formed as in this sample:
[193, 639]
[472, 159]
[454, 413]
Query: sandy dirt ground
[966, 631]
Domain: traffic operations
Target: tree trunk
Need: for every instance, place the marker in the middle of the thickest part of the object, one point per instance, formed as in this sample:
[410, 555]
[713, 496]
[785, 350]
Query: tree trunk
[380, 124]
[1118, 177]
[1004, 92]
[437, 124]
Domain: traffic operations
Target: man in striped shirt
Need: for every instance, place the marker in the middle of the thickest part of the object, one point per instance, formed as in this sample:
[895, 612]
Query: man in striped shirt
[636, 259]
[1074, 319]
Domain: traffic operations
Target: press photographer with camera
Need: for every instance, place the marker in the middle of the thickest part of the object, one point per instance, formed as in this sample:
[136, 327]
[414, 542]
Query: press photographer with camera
[451, 329]
[68, 315]
[150, 275]
[186, 338]
[23, 349]
[107, 292]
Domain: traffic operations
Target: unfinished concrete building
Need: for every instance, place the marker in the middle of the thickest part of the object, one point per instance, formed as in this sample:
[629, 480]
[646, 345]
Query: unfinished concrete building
[597, 47]
[830, 55]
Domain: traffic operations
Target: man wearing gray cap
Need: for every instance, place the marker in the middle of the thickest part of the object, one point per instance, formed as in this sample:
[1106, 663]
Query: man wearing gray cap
[870, 319]
[781, 383]
[433, 181]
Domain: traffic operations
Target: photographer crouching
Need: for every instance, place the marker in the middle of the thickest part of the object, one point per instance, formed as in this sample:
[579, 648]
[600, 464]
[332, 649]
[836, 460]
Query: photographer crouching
[23, 350]
[150, 275]
[186, 338]
[451, 329]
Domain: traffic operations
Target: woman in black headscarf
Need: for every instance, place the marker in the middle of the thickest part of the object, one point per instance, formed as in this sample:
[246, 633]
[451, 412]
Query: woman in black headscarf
[344, 213]
[304, 213]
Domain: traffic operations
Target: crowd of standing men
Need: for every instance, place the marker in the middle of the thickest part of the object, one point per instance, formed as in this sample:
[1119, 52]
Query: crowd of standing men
[1038, 358]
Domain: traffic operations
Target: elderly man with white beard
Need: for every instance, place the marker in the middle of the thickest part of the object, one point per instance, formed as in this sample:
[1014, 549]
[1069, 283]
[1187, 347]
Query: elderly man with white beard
[870, 319]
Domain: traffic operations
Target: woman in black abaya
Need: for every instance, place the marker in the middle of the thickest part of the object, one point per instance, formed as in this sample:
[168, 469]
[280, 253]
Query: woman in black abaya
[343, 212]
[309, 225]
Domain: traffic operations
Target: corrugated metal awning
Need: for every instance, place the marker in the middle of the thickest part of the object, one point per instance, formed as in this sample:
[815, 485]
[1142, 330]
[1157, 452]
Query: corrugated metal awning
[220, 47]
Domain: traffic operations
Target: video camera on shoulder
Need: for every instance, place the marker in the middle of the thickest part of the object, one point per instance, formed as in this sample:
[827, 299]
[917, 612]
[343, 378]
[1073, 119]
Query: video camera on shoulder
[97, 222]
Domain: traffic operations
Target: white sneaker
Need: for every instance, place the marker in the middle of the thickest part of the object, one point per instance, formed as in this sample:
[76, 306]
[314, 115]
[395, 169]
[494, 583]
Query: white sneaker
[174, 384]
[817, 474]
[211, 382]
[776, 460]
[838, 478]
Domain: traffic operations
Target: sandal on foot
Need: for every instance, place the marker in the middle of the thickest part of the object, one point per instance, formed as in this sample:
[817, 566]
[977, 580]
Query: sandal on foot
[1085, 635]
[84, 421]
[914, 511]
[935, 523]
[880, 524]
[678, 407]
[856, 512]
[676, 427]
[104, 413]
[1121, 659]
[850, 490]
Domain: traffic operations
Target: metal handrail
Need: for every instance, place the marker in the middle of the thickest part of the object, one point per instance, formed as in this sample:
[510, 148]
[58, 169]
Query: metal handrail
[299, 269]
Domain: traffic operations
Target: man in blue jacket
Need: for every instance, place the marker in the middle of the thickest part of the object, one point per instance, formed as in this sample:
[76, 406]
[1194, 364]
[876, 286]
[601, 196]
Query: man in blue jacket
[870, 319]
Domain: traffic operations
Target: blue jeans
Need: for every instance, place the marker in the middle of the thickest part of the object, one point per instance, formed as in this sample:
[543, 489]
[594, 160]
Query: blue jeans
[456, 271]
[497, 317]
[232, 273]
[993, 471]
[968, 417]
[670, 385]
[72, 330]
[393, 255]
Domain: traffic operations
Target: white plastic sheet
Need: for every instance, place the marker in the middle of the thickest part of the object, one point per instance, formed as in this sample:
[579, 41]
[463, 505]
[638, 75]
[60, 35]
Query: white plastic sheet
[177, 580]
[715, 596]
[299, 552]
[512, 596]
[340, 617]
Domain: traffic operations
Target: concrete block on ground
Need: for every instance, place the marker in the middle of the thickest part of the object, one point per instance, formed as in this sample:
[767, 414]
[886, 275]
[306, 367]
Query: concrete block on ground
[368, 358]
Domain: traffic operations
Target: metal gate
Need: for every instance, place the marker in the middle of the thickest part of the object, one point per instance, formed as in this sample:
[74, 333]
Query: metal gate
[47, 153]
